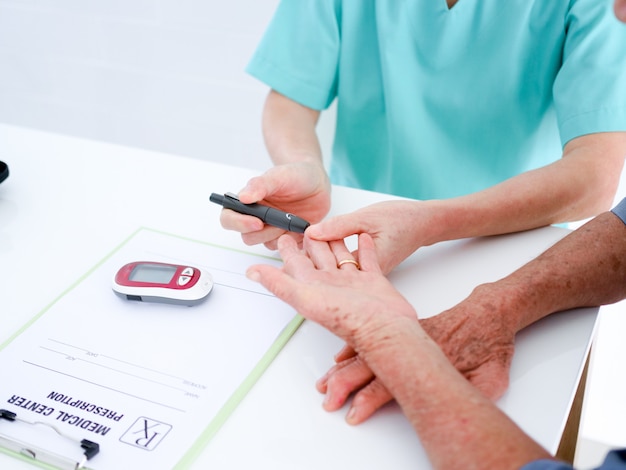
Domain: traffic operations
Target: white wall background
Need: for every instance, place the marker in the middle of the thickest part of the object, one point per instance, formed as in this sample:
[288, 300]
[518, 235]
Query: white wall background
[164, 75]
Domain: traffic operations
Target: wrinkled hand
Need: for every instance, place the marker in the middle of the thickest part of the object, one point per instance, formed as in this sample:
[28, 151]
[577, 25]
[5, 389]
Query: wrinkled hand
[355, 304]
[397, 227]
[474, 336]
[301, 188]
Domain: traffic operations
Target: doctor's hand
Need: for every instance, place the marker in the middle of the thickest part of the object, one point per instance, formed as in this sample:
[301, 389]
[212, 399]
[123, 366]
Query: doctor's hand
[301, 188]
[476, 338]
[398, 228]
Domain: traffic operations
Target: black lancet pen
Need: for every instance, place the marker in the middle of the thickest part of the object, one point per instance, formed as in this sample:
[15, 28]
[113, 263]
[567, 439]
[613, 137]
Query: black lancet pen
[267, 214]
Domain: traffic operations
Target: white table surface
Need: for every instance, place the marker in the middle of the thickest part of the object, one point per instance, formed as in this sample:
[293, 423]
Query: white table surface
[68, 202]
[604, 407]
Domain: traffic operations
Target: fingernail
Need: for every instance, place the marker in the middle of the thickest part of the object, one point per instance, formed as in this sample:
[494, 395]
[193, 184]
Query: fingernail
[246, 192]
[351, 416]
[256, 225]
[327, 399]
[312, 231]
[253, 275]
[321, 383]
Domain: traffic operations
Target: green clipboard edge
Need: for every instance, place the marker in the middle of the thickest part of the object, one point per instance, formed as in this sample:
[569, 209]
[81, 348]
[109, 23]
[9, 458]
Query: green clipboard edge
[239, 394]
[30, 322]
[228, 407]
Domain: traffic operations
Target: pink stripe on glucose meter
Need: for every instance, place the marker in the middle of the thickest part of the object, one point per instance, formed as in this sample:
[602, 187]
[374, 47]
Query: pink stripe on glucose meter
[149, 281]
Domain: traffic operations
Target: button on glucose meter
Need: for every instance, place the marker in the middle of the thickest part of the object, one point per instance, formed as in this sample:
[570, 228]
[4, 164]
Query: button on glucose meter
[149, 281]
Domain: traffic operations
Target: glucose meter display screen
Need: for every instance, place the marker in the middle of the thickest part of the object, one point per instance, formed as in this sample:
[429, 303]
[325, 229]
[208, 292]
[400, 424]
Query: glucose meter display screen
[152, 273]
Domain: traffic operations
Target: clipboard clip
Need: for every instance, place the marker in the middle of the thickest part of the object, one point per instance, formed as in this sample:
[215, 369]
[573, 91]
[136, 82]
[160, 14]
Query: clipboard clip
[90, 448]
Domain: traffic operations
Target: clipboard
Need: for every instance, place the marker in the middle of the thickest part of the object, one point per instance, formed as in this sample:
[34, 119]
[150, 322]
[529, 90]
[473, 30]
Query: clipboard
[89, 448]
[122, 384]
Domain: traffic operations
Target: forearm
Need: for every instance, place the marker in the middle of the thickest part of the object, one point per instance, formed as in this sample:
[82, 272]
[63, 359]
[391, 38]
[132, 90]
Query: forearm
[289, 130]
[456, 424]
[586, 268]
[580, 185]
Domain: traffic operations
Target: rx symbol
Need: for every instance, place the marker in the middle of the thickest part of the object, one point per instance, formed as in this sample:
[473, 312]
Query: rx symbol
[145, 433]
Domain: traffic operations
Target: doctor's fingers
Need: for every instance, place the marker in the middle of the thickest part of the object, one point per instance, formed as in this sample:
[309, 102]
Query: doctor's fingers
[232, 220]
[320, 253]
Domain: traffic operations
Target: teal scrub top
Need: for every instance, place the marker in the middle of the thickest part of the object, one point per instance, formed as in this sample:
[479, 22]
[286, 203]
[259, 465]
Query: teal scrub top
[434, 102]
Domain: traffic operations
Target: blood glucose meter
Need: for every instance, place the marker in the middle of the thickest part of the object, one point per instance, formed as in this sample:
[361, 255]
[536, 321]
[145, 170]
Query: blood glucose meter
[148, 281]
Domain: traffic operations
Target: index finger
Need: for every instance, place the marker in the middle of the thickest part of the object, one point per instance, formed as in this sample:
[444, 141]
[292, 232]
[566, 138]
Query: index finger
[337, 228]
[242, 223]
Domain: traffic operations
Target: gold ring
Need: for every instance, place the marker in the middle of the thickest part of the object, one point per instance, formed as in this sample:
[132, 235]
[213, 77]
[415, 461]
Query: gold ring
[346, 261]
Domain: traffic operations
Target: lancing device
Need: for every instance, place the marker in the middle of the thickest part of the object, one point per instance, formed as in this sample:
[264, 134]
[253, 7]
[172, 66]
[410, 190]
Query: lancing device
[267, 214]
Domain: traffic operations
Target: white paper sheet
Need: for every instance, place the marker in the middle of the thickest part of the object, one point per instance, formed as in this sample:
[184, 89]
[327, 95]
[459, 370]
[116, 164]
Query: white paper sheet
[150, 383]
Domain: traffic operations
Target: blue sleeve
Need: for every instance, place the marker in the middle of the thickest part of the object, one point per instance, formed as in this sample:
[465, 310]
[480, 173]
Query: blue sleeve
[615, 460]
[547, 465]
[299, 53]
[620, 210]
[590, 88]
